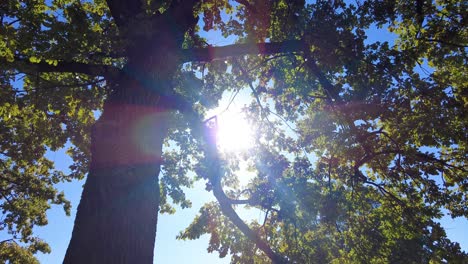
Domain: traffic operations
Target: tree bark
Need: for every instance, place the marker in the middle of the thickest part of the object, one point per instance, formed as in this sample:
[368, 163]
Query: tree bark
[225, 203]
[117, 215]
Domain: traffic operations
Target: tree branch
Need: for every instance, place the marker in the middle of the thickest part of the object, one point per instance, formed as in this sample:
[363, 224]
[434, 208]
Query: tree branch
[248, 5]
[368, 157]
[234, 201]
[247, 79]
[197, 54]
[385, 192]
[53, 85]
[330, 90]
[228, 211]
[6, 241]
[124, 10]
[182, 12]
[215, 53]
[445, 42]
[445, 163]
[226, 203]
[64, 66]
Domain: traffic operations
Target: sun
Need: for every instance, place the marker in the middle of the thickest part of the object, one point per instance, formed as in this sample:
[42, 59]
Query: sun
[234, 132]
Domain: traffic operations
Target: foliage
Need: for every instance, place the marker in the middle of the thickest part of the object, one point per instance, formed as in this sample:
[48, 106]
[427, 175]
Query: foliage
[41, 112]
[361, 144]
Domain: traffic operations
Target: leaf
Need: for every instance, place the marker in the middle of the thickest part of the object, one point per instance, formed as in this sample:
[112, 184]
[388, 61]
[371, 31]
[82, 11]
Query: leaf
[34, 59]
[50, 62]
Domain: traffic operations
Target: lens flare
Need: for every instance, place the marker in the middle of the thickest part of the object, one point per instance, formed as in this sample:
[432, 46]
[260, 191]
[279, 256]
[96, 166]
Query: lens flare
[234, 132]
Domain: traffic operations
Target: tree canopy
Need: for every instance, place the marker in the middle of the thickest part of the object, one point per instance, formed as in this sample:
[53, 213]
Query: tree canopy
[360, 144]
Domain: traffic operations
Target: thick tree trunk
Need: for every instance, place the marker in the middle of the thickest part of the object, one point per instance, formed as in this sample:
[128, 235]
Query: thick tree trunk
[117, 215]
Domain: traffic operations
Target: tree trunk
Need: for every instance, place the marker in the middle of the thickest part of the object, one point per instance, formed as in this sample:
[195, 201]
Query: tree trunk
[117, 215]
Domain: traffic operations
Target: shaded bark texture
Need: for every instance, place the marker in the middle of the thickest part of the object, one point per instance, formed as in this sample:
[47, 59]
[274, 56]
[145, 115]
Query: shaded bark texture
[226, 203]
[117, 215]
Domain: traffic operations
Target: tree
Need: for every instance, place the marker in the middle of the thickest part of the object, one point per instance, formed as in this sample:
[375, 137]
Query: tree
[389, 140]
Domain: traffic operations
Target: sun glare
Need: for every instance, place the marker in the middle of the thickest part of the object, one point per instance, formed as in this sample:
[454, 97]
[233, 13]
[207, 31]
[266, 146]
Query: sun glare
[234, 132]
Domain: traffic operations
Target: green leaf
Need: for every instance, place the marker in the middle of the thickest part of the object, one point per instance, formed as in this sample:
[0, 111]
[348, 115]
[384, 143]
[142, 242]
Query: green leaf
[34, 59]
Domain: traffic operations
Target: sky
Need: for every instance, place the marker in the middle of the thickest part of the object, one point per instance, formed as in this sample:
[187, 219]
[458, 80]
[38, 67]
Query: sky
[169, 250]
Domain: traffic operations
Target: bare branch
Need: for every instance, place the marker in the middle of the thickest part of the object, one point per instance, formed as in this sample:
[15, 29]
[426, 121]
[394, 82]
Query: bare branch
[444, 163]
[243, 227]
[234, 201]
[265, 219]
[53, 85]
[226, 204]
[215, 53]
[385, 192]
[24, 65]
[369, 157]
[247, 79]
[7, 240]
[330, 89]
[445, 42]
